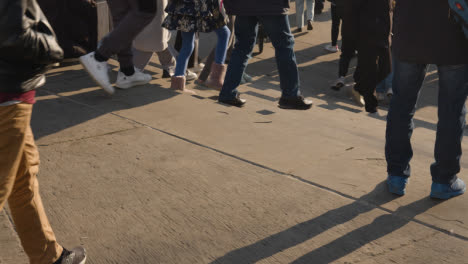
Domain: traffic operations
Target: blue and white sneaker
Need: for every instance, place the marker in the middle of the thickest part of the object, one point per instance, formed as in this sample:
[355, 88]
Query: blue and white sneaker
[397, 184]
[447, 191]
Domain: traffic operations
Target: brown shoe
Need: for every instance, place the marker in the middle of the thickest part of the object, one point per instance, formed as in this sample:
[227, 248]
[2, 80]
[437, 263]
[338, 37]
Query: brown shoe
[216, 78]
[178, 84]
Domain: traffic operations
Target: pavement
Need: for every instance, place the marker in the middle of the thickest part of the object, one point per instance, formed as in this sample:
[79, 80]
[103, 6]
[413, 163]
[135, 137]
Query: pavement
[150, 175]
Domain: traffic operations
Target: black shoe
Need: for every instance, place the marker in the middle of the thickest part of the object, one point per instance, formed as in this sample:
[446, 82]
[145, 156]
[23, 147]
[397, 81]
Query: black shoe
[237, 101]
[298, 30]
[309, 25]
[166, 74]
[371, 104]
[299, 103]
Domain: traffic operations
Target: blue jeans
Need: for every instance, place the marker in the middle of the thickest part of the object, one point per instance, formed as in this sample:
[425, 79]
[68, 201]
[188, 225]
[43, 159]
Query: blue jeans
[277, 28]
[386, 84]
[453, 90]
[188, 45]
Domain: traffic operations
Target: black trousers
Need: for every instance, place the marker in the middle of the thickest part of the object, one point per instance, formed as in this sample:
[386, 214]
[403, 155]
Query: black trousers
[348, 51]
[374, 64]
[336, 21]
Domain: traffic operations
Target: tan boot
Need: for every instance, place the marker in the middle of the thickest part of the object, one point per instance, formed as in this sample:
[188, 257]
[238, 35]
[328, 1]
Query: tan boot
[216, 78]
[178, 84]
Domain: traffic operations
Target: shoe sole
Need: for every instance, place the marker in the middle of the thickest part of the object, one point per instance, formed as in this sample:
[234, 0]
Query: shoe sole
[395, 190]
[132, 85]
[236, 105]
[337, 87]
[446, 196]
[294, 107]
[83, 261]
[108, 88]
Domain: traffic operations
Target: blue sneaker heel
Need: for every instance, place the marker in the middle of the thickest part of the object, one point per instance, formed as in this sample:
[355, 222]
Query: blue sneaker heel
[397, 184]
[447, 191]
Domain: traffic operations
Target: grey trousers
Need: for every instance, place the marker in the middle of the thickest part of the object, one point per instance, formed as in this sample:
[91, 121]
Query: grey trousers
[130, 17]
[142, 58]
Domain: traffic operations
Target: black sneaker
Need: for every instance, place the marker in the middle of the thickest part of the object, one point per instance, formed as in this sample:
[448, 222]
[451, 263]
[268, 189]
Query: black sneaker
[75, 256]
[299, 103]
[237, 101]
[309, 25]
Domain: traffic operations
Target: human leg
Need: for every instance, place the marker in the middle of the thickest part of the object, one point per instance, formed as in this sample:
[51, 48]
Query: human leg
[246, 33]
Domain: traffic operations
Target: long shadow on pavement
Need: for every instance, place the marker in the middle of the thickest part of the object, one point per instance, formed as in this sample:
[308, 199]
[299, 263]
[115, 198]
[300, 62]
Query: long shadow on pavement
[56, 113]
[343, 246]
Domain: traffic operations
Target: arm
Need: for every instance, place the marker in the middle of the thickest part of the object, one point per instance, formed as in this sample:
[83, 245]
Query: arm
[25, 34]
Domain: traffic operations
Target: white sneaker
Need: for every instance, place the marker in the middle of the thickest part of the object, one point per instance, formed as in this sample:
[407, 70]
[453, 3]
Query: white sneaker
[357, 97]
[98, 71]
[138, 78]
[190, 76]
[332, 49]
[390, 92]
[380, 96]
[338, 83]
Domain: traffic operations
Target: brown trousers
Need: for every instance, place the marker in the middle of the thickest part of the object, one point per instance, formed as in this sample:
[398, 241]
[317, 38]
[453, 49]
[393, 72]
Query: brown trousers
[19, 165]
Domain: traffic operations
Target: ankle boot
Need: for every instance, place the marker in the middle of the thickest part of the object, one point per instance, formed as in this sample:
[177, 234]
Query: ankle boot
[216, 77]
[178, 84]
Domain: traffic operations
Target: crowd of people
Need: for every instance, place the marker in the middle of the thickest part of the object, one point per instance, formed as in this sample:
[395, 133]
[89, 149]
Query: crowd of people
[392, 59]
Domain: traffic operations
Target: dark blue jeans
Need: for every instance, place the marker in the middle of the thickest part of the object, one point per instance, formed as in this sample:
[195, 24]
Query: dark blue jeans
[453, 90]
[277, 28]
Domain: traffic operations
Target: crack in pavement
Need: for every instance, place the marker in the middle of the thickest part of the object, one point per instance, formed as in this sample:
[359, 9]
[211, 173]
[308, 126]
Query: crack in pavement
[289, 175]
[85, 138]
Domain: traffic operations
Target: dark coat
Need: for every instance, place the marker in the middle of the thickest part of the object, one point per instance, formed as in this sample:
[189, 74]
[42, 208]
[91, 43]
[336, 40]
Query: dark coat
[426, 34]
[256, 7]
[27, 45]
[368, 22]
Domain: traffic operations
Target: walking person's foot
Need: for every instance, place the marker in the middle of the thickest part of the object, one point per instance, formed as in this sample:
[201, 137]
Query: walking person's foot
[357, 97]
[332, 48]
[338, 83]
[138, 78]
[98, 71]
[236, 101]
[309, 25]
[390, 92]
[298, 102]
[74, 256]
[397, 184]
[447, 191]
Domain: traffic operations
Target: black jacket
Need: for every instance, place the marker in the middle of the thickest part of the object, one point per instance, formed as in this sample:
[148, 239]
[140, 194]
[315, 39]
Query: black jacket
[426, 34]
[368, 22]
[256, 7]
[27, 45]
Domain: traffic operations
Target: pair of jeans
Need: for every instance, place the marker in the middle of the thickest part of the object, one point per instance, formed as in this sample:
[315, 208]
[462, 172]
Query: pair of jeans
[211, 58]
[386, 84]
[300, 11]
[19, 165]
[453, 90]
[188, 39]
[246, 30]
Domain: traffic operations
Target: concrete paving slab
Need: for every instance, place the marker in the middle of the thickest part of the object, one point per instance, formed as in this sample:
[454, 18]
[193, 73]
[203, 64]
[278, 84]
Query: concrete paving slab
[152, 176]
[10, 248]
[157, 199]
